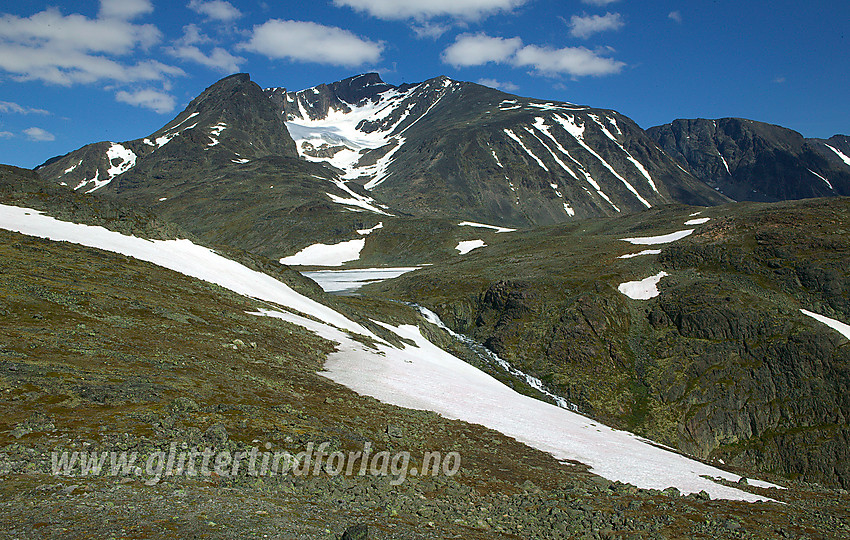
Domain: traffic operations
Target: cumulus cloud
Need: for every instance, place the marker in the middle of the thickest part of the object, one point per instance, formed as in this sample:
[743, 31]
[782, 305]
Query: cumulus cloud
[52, 30]
[575, 61]
[74, 49]
[124, 9]
[598, 2]
[429, 29]
[217, 10]
[39, 135]
[584, 26]
[675, 15]
[501, 85]
[186, 48]
[479, 49]
[6, 134]
[417, 9]
[311, 42]
[148, 98]
[11, 107]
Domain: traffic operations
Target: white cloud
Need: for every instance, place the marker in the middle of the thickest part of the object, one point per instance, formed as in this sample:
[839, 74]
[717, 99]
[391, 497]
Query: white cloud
[585, 26]
[301, 41]
[52, 29]
[39, 135]
[218, 58]
[479, 49]
[148, 99]
[598, 2]
[676, 16]
[186, 48]
[421, 10]
[501, 85]
[6, 134]
[430, 30]
[574, 61]
[74, 49]
[74, 67]
[218, 10]
[10, 107]
[124, 9]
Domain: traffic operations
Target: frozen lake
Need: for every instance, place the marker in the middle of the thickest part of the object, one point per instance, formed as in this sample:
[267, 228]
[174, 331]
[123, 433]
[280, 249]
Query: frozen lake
[348, 281]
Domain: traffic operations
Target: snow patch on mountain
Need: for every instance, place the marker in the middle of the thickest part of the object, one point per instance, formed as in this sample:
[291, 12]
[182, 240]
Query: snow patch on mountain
[638, 165]
[698, 221]
[839, 153]
[482, 225]
[725, 164]
[466, 246]
[327, 254]
[121, 160]
[661, 239]
[365, 232]
[170, 133]
[644, 289]
[828, 183]
[513, 136]
[348, 138]
[215, 133]
[843, 329]
[571, 127]
[72, 167]
[420, 375]
[644, 252]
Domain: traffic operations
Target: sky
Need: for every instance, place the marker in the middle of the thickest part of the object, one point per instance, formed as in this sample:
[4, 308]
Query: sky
[82, 71]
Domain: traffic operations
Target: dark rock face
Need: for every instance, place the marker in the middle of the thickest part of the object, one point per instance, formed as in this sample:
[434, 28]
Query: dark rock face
[753, 161]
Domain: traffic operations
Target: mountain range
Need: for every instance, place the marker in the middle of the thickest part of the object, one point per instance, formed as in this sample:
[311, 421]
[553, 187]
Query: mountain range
[686, 283]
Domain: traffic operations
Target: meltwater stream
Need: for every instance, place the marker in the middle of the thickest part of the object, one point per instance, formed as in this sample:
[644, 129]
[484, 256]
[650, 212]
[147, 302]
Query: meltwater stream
[492, 358]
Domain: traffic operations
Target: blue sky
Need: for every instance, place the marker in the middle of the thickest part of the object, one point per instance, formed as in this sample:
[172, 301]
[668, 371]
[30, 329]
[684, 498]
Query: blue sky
[75, 72]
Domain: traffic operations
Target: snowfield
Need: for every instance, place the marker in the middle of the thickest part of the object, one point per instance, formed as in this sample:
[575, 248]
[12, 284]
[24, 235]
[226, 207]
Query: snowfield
[466, 246]
[483, 226]
[644, 252]
[662, 239]
[327, 254]
[644, 289]
[420, 375]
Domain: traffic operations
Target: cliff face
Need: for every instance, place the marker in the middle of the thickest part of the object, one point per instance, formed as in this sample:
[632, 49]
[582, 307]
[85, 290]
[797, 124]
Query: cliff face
[754, 161]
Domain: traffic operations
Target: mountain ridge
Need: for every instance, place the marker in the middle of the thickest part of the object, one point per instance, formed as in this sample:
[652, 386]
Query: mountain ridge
[749, 160]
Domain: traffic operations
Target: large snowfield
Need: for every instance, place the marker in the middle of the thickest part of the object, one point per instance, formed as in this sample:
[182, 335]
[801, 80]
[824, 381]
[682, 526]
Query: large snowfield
[420, 376]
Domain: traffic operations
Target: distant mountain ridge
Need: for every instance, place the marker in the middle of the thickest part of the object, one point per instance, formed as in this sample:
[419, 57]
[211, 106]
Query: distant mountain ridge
[273, 171]
[444, 147]
[754, 161]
